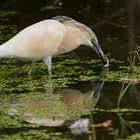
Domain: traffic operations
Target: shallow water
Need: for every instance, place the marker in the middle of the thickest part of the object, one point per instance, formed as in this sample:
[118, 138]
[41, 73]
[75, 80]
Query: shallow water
[87, 108]
[79, 100]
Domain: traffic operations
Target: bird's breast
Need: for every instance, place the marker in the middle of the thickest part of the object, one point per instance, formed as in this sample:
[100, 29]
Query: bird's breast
[71, 40]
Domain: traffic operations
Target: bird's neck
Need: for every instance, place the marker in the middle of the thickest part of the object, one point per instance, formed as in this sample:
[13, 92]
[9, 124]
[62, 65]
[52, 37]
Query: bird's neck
[70, 41]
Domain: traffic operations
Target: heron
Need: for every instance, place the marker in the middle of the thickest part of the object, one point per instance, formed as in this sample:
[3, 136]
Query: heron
[51, 37]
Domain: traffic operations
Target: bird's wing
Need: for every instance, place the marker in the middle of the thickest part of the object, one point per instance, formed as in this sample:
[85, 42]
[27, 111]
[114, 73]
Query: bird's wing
[38, 40]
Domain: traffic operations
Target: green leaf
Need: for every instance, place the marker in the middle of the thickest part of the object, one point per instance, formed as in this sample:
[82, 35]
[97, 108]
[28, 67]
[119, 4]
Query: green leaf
[122, 92]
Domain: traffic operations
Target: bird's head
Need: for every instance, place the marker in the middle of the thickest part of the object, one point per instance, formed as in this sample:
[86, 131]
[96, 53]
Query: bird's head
[86, 36]
[90, 39]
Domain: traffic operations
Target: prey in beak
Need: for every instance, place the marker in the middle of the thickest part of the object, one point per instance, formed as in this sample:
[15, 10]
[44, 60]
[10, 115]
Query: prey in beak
[100, 53]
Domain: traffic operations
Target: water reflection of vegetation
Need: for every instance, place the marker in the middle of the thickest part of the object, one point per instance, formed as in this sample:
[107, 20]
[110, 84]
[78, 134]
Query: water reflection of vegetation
[124, 127]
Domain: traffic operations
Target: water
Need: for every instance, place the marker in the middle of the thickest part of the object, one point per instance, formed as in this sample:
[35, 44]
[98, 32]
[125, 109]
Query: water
[79, 100]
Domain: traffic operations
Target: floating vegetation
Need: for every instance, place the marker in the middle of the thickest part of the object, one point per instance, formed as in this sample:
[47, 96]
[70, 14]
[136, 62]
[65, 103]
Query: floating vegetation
[124, 74]
[6, 32]
[136, 136]
[12, 127]
[50, 7]
[7, 14]
[53, 109]
[66, 70]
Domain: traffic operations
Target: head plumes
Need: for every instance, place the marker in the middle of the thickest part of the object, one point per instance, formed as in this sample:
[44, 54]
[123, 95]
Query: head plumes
[82, 27]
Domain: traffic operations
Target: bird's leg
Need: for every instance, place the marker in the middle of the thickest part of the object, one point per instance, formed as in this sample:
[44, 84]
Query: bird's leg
[48, 60]
[31, 68]
[50, 85]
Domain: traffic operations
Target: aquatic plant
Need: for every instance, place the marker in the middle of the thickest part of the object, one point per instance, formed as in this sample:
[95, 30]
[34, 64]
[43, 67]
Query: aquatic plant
[133, 57]
[122, 92]
[124, 124]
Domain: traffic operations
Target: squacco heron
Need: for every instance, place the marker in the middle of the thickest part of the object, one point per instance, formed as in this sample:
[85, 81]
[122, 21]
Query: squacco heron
[51, 37]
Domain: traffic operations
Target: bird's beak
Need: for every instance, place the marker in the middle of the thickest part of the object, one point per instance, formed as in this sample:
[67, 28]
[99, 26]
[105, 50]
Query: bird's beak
[99, 51]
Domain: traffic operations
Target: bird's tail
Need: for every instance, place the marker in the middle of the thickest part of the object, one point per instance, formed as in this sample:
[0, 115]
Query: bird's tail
[4, 50]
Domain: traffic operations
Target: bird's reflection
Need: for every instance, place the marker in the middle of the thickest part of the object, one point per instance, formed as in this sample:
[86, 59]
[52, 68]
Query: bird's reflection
[62, 106]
